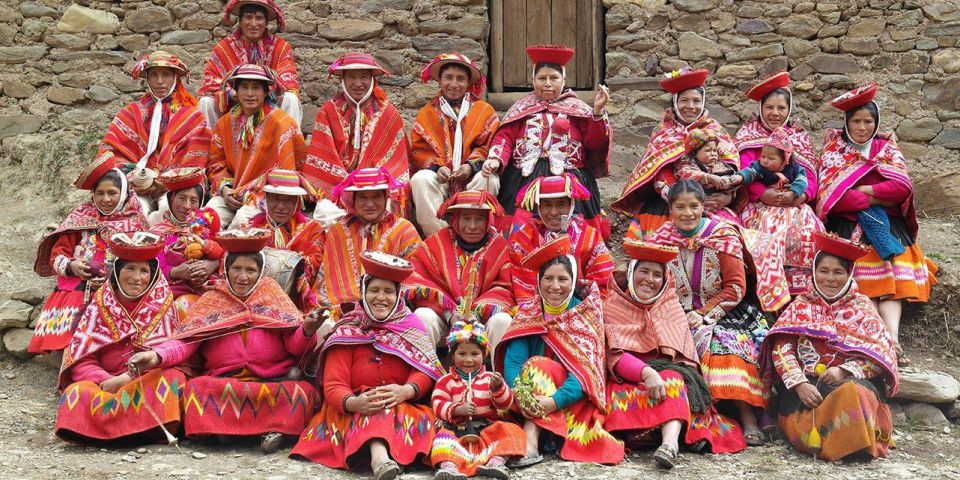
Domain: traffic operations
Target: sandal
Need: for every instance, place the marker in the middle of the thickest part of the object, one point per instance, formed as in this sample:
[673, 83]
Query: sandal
[499, 471]
[665, 456]
[271, 442]
[755, 438]
[902, 360]
[527, 461]
[388, 470]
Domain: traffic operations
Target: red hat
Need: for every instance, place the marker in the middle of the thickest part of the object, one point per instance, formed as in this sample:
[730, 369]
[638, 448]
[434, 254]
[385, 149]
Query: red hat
[356, 61]
[769, 84]
[273, 11]
[684, 79]
[182, 178]
[470, 200]
[649, 252]
[856, 97]
[135, 246]
[697, 138]
[243, 241]
[839, 247]
[557, 54]
[557, 248]
[432, 70]
[564, 185]
[250, 71]
[89, 177]
[385, 266]
[159, 59]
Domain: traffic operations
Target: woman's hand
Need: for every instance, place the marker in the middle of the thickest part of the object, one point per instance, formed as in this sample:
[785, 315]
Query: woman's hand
[548, 404]
[80, 269]
[392, 395]
[600, 100]
[443, 174]
[717, 201]
[771, 197]
[834, 375]
[800, 200]
[809, 395]
[229, 199]
[865, 189]
[182, 272]
[114, 384]
[95, 283]
[202, 269]
[142, 361]
[465, 410]
[366, 403]
[491, 166]
[694, 319]
[656, 389]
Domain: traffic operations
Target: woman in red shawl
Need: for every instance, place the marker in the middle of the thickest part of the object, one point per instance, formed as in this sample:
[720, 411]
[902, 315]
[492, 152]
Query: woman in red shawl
[654, 370]
[76, 251]
[790, 223]
[250, 43]
[251, 339]
[375, 367]
[866, 195]
[133, 312]
[357, 128]
[549, 132]
[191, 256]
[462, 273]
[160, 131]
[644, 196]
[553, 357]
[833, 363]
[726, 322]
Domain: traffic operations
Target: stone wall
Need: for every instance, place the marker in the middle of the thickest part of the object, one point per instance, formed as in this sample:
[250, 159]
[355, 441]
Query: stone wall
[66, 66]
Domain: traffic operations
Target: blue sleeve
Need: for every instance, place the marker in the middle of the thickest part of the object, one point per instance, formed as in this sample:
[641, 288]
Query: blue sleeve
[749, 174]
[799, 184]
[518, 351]
[569, 392]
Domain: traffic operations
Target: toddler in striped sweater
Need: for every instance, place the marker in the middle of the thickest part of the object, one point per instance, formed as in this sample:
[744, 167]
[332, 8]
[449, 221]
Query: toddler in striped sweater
[472, 436]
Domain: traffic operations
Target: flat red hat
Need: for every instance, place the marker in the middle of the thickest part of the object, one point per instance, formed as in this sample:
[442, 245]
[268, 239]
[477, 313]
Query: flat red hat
[680, 80]
[649, 252]
[839, 247]
[89, 177]
[467, 200]
[769, 84]
[856, 97]
[557, 54]
[385, 266]
[182, 178]
[243, 241]
[135, 246]
[356, 61]
[557, 248]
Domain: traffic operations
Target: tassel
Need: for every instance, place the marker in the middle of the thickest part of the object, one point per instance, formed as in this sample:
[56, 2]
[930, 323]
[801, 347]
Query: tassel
[814, 442]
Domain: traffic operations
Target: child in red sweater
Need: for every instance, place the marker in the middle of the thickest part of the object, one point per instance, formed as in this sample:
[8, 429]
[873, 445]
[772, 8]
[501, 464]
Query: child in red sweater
[471, 437]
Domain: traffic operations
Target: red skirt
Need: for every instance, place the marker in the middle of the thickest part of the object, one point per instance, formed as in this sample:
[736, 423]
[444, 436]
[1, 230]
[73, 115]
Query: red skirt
[631, 409]
[58, 318]
[227, 406]
[499, 439]
[580, 424]
[87, 413]
[332, 438]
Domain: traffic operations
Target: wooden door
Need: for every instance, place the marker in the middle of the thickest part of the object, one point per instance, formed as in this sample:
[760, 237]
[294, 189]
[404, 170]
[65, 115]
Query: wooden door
[518, 23]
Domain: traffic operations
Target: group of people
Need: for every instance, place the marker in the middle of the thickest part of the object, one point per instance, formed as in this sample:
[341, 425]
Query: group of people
[196, 291]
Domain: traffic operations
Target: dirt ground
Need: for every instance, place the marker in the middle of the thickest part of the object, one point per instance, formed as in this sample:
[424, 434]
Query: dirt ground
[28, 400]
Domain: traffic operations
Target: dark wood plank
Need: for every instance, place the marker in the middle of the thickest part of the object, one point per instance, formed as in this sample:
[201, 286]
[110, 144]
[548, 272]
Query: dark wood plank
[514, 43]
[495, 68]
[599, 43]
[585, 47]
[564, 32]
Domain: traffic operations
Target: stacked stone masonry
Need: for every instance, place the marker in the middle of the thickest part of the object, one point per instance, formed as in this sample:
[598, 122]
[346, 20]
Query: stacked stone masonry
[66, 65]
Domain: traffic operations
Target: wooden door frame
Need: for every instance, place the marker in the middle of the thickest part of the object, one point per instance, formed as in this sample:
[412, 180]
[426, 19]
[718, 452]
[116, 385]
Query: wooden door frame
[496, 46]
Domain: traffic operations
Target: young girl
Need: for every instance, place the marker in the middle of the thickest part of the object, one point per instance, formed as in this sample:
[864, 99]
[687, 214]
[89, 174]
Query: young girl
[471, 439]
[701, 163]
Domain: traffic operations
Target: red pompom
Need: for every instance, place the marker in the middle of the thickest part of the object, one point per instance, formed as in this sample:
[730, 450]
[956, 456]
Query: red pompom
[561, 125]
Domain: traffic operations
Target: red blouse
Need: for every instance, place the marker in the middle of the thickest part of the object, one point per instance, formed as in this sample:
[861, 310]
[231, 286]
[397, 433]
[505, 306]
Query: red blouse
[351, 369]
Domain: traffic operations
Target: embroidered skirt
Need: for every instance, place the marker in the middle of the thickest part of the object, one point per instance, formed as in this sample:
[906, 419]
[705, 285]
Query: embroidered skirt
[228, 406]
[499, 439]
[852, 419]
[728, 353]
[58, 318]
[339, 440]
[87, 413]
